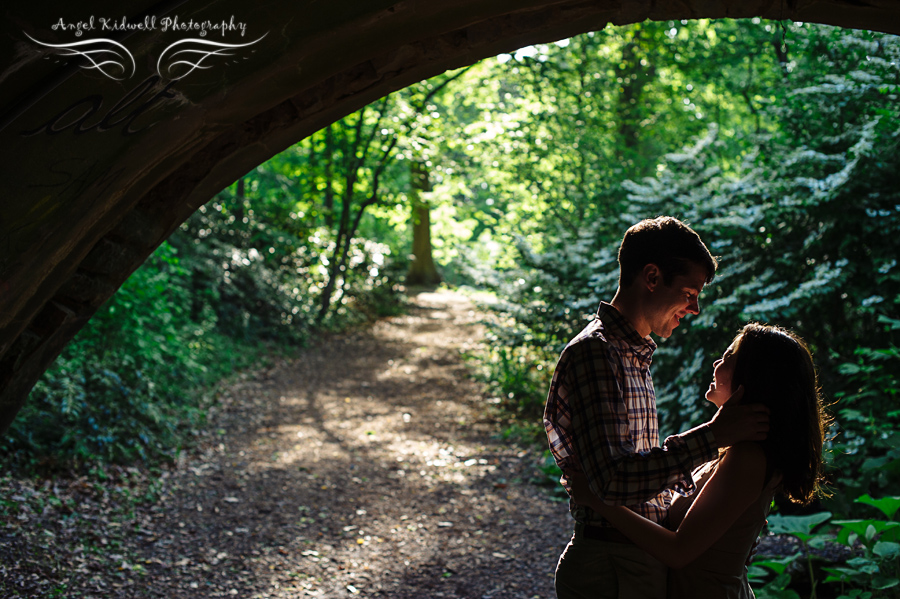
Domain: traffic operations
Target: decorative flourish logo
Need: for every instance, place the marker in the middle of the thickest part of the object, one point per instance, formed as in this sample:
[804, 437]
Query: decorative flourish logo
[104, 55]
[177, 60]
[206, 49]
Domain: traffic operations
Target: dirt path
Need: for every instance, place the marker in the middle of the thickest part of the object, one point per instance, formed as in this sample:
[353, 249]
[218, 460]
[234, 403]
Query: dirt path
[364, 467]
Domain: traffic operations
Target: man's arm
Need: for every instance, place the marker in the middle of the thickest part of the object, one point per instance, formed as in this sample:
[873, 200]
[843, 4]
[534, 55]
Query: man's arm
[601, 433]
[735, 485]
[615, 471]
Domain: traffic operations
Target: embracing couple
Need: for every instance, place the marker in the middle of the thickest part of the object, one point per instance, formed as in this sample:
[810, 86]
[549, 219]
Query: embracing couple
[632, 539]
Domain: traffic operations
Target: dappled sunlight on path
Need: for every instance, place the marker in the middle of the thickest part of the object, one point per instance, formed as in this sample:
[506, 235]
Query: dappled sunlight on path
[365, 466]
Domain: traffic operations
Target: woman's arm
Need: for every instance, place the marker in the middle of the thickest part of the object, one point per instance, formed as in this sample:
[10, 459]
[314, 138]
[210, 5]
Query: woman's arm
[734, 486]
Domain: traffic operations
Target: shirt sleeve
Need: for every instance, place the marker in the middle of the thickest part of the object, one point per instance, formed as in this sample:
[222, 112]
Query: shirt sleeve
[615, 471]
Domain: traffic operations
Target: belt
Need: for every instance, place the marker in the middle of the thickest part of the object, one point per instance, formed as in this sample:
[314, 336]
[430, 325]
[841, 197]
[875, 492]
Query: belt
[602, 533]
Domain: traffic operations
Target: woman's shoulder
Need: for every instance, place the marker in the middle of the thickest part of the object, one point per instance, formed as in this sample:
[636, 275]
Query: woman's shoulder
[747, 449]
[747, 456]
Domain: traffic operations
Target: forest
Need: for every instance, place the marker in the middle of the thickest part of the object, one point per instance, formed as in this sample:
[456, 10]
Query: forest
[514, 179]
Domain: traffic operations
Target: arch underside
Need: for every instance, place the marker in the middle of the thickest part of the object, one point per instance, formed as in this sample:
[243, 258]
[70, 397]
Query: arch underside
[98, 171]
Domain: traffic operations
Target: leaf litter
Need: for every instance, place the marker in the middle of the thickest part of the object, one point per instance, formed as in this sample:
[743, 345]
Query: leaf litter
[367, 465]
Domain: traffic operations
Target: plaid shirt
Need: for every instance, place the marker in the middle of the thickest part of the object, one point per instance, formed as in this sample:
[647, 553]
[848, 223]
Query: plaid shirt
[601, 419]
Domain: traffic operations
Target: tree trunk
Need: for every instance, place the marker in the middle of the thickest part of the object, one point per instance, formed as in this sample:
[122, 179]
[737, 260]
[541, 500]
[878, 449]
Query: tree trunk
[422, 271]
[328, 206]
[341, 247]
[632, 109]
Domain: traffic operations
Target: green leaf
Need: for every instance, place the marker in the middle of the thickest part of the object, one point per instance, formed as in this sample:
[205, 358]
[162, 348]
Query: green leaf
[871, 531]
[882, 582]
[891, 533]
[887, 505]
[819, 541]
[861, 563]
[778, 565]
[873, 464]
[849, 369]
[845, 574]
[895, 324]
[842, 573]
[862, 528]
[799, 526]
[777, 589]
[886, 549]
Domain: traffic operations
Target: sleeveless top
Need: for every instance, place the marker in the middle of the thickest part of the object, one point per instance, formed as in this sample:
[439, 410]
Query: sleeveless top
[721, 571]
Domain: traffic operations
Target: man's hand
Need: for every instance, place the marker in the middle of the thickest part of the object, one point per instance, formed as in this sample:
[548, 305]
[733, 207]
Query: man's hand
[581, 492]
[735, 423]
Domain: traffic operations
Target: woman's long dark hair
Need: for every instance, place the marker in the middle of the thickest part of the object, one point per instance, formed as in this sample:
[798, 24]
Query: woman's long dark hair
[776, 369]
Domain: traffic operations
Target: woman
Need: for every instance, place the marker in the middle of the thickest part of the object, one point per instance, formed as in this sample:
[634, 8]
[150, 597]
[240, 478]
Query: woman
[715, 528]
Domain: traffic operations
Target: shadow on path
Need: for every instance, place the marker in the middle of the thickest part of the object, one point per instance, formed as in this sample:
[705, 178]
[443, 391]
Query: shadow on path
[365, 466]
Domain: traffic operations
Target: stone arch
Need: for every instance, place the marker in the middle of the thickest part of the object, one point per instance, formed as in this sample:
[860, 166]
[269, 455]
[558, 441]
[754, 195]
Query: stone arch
[100, 165]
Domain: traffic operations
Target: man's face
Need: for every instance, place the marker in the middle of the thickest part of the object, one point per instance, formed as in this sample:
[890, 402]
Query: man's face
[671, 303]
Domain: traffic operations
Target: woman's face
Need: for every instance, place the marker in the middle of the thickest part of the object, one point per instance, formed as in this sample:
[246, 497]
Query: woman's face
[720, 389]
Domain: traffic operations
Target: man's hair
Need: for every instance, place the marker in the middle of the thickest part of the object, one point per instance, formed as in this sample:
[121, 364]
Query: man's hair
[666, 242]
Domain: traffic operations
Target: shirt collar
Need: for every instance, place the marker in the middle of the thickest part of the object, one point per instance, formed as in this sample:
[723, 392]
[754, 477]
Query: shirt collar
[621, 333]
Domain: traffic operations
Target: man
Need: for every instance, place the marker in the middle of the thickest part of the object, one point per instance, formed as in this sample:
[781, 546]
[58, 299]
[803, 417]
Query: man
[601, 417]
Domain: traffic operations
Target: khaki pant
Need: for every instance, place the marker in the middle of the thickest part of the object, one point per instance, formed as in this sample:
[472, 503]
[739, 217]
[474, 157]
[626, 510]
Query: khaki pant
[591, 569]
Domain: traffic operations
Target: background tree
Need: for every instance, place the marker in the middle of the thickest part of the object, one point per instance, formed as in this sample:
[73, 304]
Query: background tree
[422, 270]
